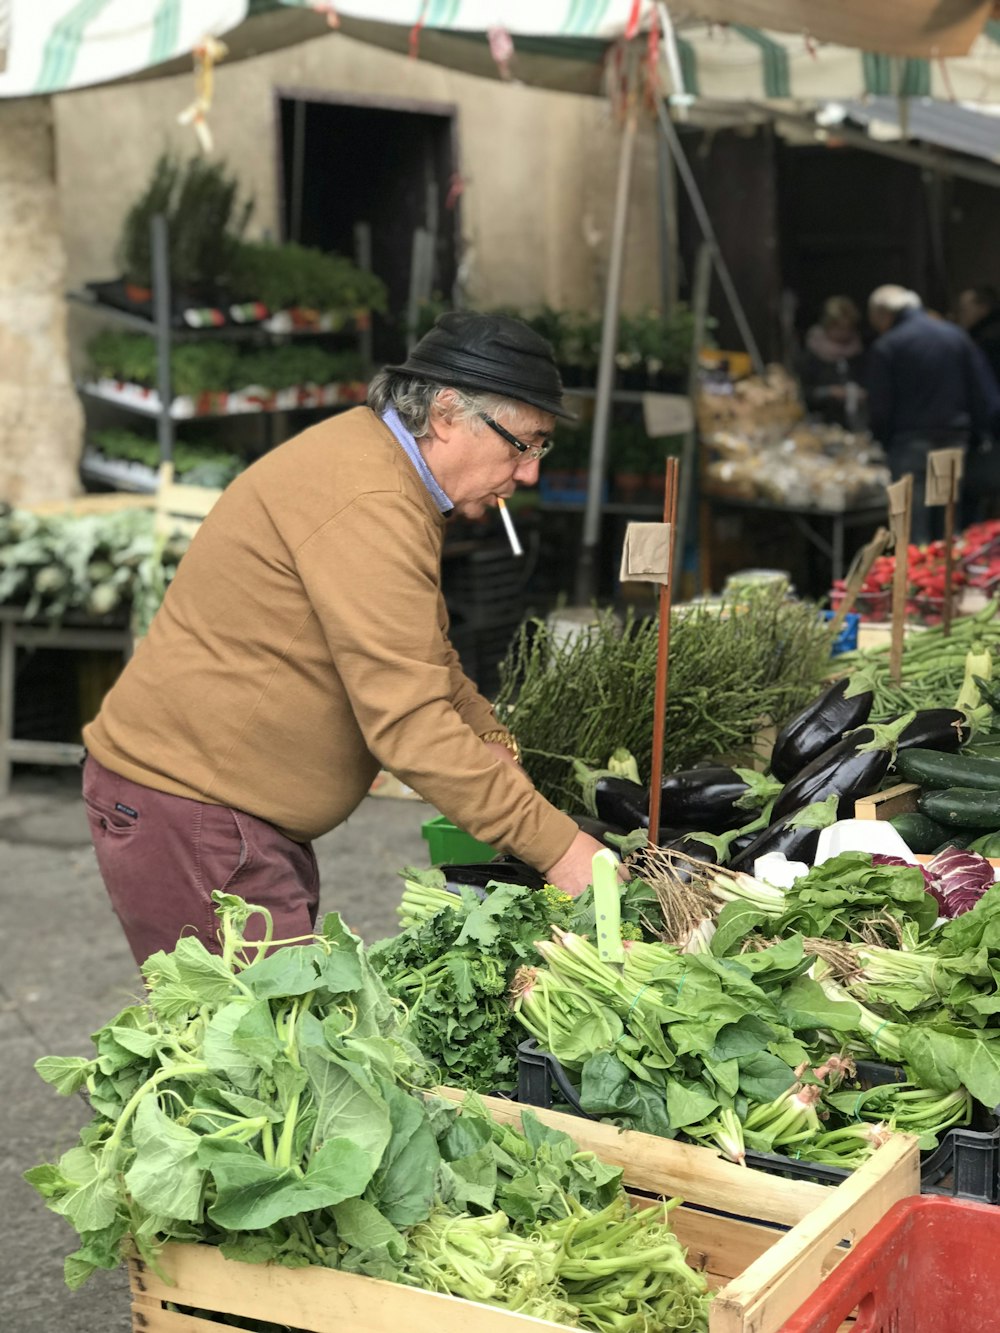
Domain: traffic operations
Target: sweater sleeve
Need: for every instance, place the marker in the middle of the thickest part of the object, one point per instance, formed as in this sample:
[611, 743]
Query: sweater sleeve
[372, 577]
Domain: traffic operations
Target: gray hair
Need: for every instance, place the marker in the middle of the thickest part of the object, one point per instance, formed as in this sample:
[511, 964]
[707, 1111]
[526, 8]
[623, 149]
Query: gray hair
[894, 299]
[413, 399]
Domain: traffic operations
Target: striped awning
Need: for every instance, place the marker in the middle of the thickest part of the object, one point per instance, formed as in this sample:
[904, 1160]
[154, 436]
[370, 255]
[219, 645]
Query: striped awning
[737, 63]
[54, 45]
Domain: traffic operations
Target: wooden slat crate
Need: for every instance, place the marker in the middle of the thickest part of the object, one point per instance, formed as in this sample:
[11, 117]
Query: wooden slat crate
[898, 800]
[763, 1242]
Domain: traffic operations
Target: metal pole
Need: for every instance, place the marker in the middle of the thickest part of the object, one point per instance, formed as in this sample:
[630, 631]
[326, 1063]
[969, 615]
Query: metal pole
[708, 231]
[689, 454]
[160, 244]
[586, 584]
[667, 210]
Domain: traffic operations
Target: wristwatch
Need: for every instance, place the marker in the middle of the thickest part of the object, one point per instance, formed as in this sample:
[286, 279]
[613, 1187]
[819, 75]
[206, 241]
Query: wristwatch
[503, 738]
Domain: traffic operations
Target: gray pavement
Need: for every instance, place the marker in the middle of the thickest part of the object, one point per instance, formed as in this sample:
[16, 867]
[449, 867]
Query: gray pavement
[65, 970]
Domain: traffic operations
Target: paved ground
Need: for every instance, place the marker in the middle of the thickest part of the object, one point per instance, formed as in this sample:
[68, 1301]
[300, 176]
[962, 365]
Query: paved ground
[65, 970]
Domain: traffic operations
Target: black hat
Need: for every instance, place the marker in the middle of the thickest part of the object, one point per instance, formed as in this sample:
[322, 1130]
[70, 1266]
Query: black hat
[492, 354]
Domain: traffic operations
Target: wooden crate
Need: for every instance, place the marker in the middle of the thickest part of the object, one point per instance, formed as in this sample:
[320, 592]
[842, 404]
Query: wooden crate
[763, 1242]
[887, 804]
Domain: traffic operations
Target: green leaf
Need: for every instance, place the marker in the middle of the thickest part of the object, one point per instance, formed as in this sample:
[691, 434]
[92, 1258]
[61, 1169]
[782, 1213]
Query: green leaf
[688, 1102]
[734, 924]
[806, 1006]
[763, 1077]
[482, 923]
[66, 1073]
[224, 1053]
[284, 973]
[402, 1187]
[251, 1194]
[348, 1104]
[165, 1176]
[950, 1060]
[361, 1225]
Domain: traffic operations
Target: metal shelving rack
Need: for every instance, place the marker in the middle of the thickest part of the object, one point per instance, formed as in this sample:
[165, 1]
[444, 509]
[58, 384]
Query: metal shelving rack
[161, 327]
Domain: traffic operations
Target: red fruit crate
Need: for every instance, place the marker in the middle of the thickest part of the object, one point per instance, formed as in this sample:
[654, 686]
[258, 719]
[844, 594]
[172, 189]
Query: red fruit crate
[928, 1267]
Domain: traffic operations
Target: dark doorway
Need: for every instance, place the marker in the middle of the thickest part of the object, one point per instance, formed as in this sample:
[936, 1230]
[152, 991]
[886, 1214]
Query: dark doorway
[389, 163]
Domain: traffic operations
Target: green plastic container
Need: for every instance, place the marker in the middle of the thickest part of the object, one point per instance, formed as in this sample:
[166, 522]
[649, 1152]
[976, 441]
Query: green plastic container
[449, 845]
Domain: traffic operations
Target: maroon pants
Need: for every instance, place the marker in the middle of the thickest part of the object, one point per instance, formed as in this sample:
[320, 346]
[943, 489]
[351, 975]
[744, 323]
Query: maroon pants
[162, 856]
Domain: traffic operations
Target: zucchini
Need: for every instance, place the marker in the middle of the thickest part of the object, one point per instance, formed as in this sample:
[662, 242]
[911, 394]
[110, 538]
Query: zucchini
[919, 832]
[935, 770]
[962, 807]
[986, 749]
[959, 840]
[988, 845]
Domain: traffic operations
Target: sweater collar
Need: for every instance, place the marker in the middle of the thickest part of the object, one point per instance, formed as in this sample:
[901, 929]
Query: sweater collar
[412, 450]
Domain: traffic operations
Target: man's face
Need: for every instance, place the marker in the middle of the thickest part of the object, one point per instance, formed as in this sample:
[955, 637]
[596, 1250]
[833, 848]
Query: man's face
[879, 318]
[476, 465]
[969, 310]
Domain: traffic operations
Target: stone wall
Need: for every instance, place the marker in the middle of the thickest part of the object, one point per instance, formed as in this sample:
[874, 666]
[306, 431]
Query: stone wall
[40, 416]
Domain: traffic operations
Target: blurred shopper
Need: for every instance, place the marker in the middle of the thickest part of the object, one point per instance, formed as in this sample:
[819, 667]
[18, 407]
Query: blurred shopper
[978, 312]
[928, 388]
[831, 367]
[304, 643]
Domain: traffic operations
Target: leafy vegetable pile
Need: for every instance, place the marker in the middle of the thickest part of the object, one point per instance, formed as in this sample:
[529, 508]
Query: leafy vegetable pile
[452, 967]
[730, 668]
[272, 1104]
[90, 562]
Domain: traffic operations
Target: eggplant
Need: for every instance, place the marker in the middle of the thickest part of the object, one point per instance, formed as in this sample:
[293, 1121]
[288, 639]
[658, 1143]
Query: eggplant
[794, 835]
[849, 769]
[704, 798]
[827, 719]
[503, 870]
[701, 851]
[944, 729]
[598, 829]
[621, 801]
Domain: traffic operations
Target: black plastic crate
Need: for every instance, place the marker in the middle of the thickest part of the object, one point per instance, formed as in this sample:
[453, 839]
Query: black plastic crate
[964, 1165]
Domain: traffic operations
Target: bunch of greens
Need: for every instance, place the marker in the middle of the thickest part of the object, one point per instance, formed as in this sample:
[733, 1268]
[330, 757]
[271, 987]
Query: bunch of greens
[452, 969]
[270, 1103]
[731, 667]
[847, 897]
[95, 563]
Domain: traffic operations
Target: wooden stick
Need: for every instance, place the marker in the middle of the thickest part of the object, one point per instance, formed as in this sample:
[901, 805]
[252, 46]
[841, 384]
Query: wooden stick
[662, 657]
[863, 562]
[900, 515]
[949, 548]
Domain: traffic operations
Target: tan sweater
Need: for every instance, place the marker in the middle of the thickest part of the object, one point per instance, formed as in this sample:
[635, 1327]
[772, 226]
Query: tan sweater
[303, 644]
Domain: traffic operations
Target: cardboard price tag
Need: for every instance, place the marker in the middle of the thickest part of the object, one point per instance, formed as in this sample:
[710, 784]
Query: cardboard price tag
[944, 475]
[646, 553]
[667, 414]
[899, 494]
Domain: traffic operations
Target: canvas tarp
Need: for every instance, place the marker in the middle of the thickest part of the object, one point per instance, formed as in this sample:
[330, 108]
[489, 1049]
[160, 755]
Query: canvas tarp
[64, 44]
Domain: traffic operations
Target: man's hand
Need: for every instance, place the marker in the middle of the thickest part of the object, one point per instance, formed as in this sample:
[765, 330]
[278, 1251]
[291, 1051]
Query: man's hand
[573, 871]
[499, 751]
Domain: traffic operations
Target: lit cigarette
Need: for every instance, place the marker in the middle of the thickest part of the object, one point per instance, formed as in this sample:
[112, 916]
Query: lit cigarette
[508, 523]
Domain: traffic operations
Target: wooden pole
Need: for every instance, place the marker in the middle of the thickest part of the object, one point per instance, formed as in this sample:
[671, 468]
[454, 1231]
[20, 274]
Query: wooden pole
[662, 656]
[949, 547]
[900, 514]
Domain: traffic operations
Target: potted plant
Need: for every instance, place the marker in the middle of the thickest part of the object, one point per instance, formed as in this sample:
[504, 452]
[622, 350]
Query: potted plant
[134, 251]
[290, 277]
[206, 227]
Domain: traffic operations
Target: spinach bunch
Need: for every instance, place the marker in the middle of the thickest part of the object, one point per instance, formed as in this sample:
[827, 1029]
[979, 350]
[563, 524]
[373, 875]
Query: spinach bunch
[452, 973]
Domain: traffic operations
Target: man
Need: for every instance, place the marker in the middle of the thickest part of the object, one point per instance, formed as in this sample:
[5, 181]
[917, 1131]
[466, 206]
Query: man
[977, 310]
[928, 388]
[303, 644]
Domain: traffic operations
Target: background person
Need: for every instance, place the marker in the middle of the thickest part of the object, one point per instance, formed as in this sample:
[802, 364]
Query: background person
[304, 644]
[977, 310]
[832, 362]
[928, 388]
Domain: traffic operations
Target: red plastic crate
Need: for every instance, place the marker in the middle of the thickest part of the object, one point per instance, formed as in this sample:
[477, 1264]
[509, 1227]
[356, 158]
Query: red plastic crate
[928, 1267]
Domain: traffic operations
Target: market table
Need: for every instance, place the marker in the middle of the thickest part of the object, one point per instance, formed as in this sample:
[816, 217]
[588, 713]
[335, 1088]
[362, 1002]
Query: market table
[807, 519]
[74, 633]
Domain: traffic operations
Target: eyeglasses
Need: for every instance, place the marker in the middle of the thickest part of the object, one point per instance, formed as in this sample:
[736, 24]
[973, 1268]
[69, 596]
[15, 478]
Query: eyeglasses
[530, 452]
